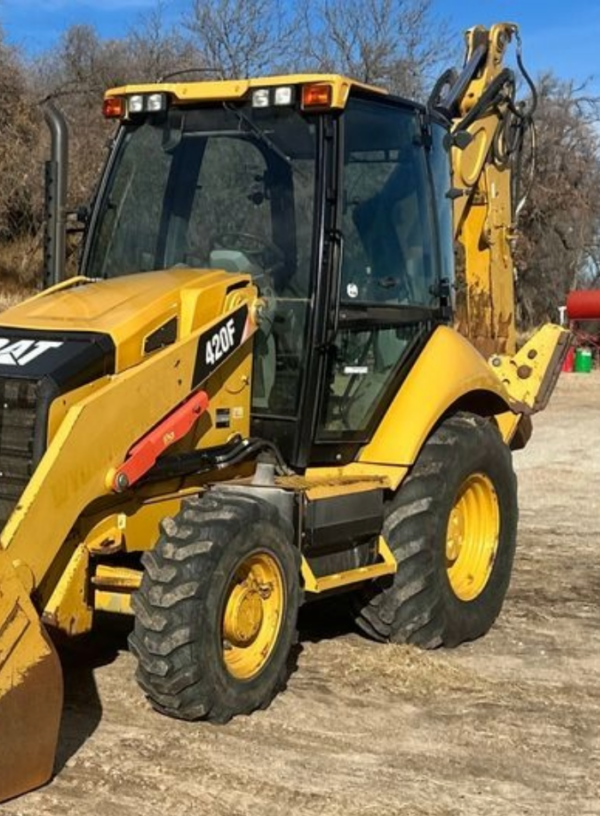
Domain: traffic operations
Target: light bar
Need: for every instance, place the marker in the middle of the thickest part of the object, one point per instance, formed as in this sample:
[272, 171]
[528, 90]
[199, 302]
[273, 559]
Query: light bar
[119, 107]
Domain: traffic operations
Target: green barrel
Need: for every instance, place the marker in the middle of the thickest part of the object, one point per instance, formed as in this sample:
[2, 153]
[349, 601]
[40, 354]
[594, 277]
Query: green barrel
[583, 361]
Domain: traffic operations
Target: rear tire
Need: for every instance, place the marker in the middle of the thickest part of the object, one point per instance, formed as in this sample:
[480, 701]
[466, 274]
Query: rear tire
[217, 609]
[448, 588]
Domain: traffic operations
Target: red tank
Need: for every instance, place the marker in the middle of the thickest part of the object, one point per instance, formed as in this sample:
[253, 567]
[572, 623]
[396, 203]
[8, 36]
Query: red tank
[584, 304]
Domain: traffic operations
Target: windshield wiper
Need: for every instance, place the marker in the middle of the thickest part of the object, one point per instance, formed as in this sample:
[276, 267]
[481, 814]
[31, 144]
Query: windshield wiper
[241, 117]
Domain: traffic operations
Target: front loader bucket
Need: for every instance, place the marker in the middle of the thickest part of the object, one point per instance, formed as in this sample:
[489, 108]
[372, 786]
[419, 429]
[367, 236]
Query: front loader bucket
[31, 690]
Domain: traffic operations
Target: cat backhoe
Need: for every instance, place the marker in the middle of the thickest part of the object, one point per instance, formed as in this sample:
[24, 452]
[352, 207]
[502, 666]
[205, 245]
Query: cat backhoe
[267, 385]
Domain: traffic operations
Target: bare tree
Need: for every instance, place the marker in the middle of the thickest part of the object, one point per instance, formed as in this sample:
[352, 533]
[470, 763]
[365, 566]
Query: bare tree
[558, 249]
[156, 48]
[242, 38]
[399, 44]
[20, 170]
[84, 65]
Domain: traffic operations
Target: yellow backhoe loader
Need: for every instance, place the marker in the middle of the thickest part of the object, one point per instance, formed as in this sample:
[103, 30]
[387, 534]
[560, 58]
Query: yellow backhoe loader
[254, 394]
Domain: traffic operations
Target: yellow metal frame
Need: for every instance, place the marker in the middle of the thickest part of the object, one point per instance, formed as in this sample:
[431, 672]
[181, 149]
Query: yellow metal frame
[450, 372]
[112, 588]
[386, 566]
[483, 214]
[73, 471]
[69, 608]
[187, 93]
[530, 375]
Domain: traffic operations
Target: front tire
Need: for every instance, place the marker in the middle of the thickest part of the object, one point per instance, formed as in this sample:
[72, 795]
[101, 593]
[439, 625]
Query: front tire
[452, 528]
[217, 609]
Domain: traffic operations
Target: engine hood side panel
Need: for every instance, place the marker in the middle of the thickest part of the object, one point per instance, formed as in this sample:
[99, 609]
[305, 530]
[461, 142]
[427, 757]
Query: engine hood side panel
[129, 310]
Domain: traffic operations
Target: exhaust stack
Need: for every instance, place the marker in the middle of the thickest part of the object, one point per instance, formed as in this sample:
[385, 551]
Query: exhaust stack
[55, 238]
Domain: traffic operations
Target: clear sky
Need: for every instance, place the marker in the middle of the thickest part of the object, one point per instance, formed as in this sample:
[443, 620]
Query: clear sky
[564, 37]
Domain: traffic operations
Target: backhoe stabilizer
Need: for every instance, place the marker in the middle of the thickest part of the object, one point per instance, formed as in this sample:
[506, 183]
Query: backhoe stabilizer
[31, 690]
[529, 376]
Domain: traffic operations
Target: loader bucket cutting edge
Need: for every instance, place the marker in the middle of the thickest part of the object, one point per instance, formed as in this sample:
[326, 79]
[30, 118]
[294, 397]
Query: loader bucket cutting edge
[31, 690]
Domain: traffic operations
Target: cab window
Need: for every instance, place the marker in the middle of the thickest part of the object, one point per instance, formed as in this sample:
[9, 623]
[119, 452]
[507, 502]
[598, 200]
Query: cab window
[389, 251]
[390, 264]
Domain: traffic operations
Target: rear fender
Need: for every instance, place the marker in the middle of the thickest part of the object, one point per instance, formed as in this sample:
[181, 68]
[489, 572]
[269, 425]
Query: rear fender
[449, 375]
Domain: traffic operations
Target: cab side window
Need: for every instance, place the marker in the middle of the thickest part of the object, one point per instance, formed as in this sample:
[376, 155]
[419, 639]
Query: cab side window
[389, 251]
[390, 261]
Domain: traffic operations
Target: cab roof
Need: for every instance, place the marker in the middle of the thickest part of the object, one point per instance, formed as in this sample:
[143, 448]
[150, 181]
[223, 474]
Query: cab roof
[214, 90]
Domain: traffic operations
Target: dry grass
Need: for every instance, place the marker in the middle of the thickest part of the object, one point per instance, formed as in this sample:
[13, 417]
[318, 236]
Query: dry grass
[10, 296]
[21, 263]
[399, 670]
[21, 267]
[20, 270]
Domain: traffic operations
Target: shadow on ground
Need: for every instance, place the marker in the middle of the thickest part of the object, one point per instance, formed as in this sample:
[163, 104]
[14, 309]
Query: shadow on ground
[326, 619]
[82, 709]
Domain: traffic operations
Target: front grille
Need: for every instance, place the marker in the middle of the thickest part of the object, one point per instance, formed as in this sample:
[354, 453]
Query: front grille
[18, 408]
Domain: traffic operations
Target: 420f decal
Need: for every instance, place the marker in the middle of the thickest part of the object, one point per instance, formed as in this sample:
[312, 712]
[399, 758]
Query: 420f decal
[216, 344]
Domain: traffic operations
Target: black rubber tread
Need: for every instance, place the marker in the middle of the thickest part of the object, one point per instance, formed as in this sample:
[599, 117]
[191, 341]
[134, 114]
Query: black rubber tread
[418, 605]
[177, 631]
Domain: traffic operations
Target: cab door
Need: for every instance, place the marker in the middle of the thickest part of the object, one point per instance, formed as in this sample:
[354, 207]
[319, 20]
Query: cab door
[387, 298]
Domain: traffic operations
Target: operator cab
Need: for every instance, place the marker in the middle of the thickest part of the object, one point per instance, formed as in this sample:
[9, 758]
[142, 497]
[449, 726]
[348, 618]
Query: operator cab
[338, 212]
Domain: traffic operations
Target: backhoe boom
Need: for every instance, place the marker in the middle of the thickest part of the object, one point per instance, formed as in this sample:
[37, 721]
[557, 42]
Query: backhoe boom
[487, 135]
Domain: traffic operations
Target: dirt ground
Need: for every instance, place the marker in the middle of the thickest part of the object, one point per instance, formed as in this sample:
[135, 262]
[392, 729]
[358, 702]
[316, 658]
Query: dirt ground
[507, 725]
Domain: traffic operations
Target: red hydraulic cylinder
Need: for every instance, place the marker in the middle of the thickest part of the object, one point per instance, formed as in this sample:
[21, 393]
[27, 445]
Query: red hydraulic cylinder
[144, 453]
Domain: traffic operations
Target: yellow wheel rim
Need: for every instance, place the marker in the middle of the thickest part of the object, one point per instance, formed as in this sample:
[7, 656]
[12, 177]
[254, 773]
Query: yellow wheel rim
[252, 616]
[472, 537]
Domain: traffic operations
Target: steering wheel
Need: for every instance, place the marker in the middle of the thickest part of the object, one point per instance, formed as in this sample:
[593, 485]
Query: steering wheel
[268, 257]
[252, 245]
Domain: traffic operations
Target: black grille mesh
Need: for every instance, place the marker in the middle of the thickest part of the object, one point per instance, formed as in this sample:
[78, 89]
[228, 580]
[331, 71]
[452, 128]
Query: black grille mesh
[18, 399]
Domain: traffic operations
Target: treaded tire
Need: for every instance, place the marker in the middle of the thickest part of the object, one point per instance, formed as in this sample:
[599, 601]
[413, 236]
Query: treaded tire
[419, 605]
[177, 636]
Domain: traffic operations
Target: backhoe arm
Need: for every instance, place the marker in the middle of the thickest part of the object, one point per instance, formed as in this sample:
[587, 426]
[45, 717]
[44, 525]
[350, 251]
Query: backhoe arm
[487, 133]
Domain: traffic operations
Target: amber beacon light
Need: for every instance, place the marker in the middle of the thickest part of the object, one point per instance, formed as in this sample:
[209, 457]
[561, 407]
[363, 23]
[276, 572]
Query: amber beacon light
[317, 96]
[113, 107]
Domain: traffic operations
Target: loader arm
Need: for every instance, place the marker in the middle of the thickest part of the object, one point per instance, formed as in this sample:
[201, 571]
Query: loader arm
[81, 464]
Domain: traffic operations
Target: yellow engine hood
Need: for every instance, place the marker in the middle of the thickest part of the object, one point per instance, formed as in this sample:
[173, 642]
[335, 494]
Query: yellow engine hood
[128, 308]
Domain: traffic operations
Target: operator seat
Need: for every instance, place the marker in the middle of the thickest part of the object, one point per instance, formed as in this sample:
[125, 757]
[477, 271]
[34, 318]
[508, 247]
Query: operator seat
[385, 237]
